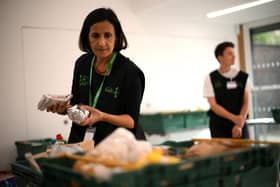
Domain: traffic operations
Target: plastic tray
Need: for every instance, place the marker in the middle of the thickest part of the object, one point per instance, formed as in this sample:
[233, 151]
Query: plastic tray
[163, 122]
[237, 161]
[196, 120]
[33, 146]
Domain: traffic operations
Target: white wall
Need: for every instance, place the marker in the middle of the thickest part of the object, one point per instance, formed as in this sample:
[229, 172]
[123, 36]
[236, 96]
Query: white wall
[174, 58]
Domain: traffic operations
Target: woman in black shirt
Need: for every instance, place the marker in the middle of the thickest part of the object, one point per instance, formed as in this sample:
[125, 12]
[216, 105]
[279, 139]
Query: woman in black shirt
[105, 82]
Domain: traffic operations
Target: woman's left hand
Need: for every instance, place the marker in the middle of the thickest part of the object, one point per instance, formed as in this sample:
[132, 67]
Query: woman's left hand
[94, 116]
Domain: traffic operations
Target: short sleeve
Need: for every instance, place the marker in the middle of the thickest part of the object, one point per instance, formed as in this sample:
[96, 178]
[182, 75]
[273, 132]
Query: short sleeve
[135, 84]
[208, 87]
[248, 86]
[75, 82]
[75, 85]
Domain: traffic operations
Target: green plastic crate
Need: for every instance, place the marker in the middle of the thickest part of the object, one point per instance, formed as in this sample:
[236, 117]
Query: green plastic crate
[162, 123]
[229, 181]
[25, 175]
[268, 155]
[58, 172]
[260, 176]
[151, 176]
[229, 169]
[33, 146]
[190, 172]
[58, 175]
[237, 161]
[211, 182]
[255, 167]
[196, 119]
[208, 182]
[256, 177]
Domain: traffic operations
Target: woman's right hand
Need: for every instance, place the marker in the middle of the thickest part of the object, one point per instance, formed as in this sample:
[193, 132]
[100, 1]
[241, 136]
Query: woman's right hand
[95, 115]
[59, 107]
[239, 120]
[236, 131]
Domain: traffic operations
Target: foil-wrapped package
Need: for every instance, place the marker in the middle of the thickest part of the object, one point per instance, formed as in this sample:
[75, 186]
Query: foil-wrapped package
[76, 114]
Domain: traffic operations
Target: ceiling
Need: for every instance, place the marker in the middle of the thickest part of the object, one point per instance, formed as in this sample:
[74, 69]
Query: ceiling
[182, 11]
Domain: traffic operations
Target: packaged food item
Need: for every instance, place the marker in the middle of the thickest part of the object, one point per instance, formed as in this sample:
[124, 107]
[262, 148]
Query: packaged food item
[57, 147]
[119, 152]
[49, 100]
[76, 114]
[60, 149]
[209, 148]
[126, 147]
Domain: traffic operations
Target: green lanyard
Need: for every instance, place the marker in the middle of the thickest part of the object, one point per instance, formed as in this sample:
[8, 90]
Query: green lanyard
[108, 70]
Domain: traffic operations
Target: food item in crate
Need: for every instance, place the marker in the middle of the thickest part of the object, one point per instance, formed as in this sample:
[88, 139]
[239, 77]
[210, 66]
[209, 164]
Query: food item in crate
[84, 146]
[48, 100]
[122, 146]
[99, 171]
[103, 169]
[87, 145]
[158, 156]
[211, 148]
[173, 151]
[119, 152]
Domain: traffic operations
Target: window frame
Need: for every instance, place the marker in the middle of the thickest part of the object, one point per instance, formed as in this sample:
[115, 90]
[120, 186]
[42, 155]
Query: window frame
[258, 26]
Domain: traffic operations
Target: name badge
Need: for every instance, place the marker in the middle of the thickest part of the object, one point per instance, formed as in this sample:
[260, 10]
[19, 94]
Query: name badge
[231, 85]
[89, 133]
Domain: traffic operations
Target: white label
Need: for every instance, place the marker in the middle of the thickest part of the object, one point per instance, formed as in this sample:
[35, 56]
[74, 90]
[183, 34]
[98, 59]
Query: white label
[231, 85]
[89, 133]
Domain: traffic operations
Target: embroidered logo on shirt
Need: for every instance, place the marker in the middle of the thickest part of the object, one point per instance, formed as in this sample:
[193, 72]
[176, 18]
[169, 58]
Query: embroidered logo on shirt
[218, 84]
[114, 91]
[84, 81]
[240, 84]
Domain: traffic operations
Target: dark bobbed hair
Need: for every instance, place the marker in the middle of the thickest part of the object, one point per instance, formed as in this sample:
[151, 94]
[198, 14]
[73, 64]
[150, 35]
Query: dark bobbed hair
[220, 48]
[99, 15]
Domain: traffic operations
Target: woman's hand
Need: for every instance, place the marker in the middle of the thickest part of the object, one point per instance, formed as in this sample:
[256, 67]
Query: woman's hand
[236, 131]
[59, 107]
[239, 120]
[94, 116]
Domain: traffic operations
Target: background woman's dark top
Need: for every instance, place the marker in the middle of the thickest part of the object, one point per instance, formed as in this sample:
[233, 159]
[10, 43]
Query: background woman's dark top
[231, 100]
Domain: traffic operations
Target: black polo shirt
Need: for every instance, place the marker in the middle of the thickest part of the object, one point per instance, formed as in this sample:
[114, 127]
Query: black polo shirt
[122, 93]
